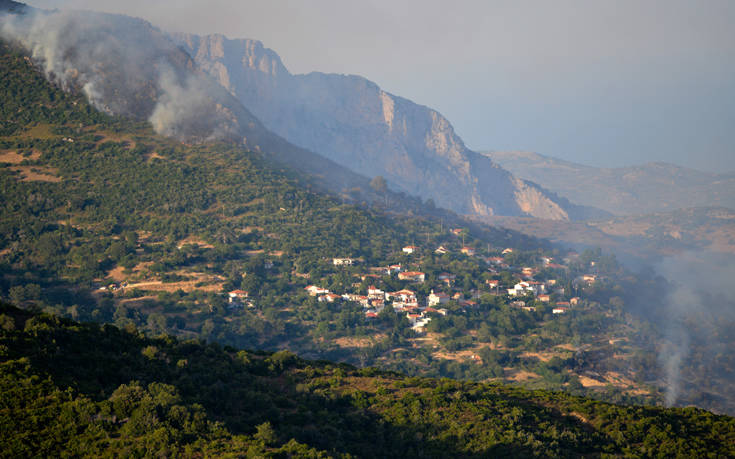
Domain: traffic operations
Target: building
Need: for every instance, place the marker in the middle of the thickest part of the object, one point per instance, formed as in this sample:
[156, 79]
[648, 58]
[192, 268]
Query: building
[447, 278]
[363, 300]
[236, 296]
[420, 323]
[469, 251]
[435, 299]
[523, 288]
[380, 270]
[413, 276]
[374, 293]
[441, 250]
[343, 261]
[403, 296]
[315, 290]
[409, 249]
[329, 298]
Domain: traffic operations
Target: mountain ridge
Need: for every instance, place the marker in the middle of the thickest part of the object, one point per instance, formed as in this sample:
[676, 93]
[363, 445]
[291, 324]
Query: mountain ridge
[350, 120]
[633, 190]
[126, 66]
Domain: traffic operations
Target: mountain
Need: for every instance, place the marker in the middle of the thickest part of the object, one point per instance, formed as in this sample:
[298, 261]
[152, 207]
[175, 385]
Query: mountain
[351, 121]
[645, 189]
[638, 239]
[87, 390]
[126, 67]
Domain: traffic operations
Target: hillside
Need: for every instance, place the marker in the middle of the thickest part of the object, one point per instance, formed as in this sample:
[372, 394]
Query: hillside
[645, 189]
[81, 389]
[353, 122]
[132, 69]
[102, 219]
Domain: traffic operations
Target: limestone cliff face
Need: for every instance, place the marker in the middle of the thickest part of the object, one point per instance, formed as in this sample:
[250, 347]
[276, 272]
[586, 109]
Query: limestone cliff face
[351, 121]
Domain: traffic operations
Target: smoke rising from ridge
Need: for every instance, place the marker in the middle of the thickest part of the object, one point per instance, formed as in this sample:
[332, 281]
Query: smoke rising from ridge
[125, 67]
[697, 322]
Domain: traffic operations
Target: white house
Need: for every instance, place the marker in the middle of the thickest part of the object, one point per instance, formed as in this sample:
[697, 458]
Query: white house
[374, 293]
[315, 290]
[409, 249]
[523, 288]
[435, 299]
[329, 298]
[343, 261]
[419, 324]
[404, 296]
[236, 296]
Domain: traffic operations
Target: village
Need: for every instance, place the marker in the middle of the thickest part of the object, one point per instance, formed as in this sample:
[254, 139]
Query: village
[445, 297]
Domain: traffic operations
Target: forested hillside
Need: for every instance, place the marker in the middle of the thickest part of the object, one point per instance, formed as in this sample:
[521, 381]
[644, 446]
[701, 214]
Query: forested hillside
[90, 390]
[103, 220]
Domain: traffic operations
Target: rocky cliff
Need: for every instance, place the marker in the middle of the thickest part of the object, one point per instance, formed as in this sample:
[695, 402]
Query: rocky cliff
[351, 121]
[127, 67]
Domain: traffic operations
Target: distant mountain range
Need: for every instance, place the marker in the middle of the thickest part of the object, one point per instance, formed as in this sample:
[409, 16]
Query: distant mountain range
[638, 238]
[635, 190]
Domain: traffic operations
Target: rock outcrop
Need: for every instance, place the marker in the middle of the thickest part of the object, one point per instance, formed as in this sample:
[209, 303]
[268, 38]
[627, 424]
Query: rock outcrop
[351, 121]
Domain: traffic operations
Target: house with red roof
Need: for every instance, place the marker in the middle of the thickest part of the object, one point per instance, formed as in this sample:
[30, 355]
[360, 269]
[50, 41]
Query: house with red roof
[413, 276]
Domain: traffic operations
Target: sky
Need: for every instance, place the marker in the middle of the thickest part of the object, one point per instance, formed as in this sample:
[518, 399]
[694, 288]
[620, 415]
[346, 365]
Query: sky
[607, 84]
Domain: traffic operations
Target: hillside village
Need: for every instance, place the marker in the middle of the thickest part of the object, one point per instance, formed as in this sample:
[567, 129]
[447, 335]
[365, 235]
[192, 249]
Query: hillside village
[516, 285]
[160, 237]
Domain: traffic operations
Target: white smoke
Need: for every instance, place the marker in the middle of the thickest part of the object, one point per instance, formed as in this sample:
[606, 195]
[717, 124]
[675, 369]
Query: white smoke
[46, 37]
[124, 66]
[700, 304]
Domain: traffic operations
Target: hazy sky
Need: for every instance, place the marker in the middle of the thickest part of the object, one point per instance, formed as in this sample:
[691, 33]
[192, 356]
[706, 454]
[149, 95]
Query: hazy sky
[603, 83]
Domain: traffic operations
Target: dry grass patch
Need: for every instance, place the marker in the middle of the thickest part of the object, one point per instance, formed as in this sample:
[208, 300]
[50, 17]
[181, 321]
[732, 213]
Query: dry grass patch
[193, 240]
[117, 274]
[37, 174]
[516, 375]
[460, 356]
[350, 341]
[13, 157]
[566, 347]
[590, 382]
[151, 156]
[170, 287]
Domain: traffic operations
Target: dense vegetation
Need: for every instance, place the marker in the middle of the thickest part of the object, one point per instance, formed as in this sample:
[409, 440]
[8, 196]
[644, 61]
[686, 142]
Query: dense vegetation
[93, 390]
[103, 220]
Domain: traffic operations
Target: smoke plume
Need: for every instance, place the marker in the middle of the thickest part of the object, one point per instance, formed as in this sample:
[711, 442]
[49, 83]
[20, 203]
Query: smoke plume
[124, 66]
[697, 319]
